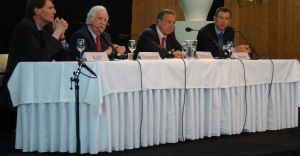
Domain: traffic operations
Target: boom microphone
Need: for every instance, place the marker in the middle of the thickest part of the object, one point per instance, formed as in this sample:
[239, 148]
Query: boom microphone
[123, 36]
[80, 61]
[252, 49]
[188, 29]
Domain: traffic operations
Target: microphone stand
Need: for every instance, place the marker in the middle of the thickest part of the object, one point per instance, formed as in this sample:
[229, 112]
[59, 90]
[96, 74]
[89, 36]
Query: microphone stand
[252, 49]
[76, 80]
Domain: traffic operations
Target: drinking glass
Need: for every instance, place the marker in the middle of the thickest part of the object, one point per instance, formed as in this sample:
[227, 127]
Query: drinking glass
[80, 46]
[191, 49]
[185, 43]
[131, 45]
[229, 45]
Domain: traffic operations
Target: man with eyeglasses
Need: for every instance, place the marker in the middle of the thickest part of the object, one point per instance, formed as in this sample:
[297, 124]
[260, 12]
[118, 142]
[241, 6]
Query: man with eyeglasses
[94, 40]
[221, 32]
[160, 37]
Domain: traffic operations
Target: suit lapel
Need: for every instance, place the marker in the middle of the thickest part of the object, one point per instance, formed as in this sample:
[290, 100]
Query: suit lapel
[103, 42]
[91, 40]
[169, 42]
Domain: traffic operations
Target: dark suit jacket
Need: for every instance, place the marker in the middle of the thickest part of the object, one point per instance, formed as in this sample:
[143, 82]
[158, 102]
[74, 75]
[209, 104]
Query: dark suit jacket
[144, 45]
[90, 45]
[28, 45]
[206, 44]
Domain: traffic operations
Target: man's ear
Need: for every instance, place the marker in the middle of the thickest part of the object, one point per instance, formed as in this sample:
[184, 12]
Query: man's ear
[158, 21]
[215, 18]
[36, 11]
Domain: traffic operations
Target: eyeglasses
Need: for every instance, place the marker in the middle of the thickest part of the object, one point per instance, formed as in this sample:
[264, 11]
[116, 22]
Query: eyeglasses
[222, 18]
[105, 20]
[170, 22]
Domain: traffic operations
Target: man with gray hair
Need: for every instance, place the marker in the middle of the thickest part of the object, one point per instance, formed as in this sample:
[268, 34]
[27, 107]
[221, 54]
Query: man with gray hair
[94, 35]
[163, 35]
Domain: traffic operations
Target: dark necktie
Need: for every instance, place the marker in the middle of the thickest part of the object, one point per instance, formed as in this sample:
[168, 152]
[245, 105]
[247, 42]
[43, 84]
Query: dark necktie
[98, 43]
[41, 32]
[220, 39]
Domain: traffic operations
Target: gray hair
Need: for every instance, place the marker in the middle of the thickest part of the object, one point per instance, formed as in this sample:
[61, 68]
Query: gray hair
[94, 10]
[163, 12]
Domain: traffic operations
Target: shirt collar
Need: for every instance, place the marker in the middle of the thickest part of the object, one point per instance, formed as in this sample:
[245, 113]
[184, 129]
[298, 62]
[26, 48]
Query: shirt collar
[38, 27]
[160, 35]
[218, 31]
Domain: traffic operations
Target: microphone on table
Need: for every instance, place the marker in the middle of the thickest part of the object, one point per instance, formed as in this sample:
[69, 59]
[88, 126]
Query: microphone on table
[158, 46]
[251, 47]
[123, 36]
[101, 34]
[221, 50]
[80, 61]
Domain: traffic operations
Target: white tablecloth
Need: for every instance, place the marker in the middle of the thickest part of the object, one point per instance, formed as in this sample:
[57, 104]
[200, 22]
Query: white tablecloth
[114, 110]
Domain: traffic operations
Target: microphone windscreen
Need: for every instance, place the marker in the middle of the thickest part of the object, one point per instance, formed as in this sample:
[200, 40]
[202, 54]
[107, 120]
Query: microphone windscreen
[74, 21]
[122, 37]
[188, 29]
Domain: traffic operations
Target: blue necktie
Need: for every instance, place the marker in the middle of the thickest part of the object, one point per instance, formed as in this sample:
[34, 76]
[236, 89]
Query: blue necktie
[220, 39]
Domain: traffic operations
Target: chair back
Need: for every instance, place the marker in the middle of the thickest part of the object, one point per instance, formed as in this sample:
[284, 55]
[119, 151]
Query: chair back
[3, 63]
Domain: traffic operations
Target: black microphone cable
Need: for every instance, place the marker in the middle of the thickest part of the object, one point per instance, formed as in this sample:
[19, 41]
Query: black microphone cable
[246, 104]
[184, 97]
[271, 78]
[142, 98]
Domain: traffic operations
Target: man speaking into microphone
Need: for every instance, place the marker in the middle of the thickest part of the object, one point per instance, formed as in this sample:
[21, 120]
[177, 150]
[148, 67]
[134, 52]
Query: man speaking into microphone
[221, 32]
[160, 37]
[93, 33]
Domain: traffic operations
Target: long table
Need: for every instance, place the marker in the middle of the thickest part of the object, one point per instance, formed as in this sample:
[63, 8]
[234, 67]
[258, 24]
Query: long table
[134, 104]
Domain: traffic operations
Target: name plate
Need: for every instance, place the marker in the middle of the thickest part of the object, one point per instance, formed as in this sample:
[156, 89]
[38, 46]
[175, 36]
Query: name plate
[95, 56]
[241, 55]
[204, 55]
[149, 56]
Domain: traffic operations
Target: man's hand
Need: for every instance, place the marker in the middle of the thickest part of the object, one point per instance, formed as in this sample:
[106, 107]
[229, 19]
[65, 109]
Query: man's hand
[178, 54]
[59, 26]
[120, 49]
[242, 48]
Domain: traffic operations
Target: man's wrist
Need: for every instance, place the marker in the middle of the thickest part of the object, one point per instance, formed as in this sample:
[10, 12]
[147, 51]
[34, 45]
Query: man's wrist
[62, 39]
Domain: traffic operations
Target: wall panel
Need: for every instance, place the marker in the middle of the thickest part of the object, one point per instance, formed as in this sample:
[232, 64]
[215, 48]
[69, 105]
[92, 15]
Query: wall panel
[289, 30]
[296, 30]
[145, 13]
[272, 28]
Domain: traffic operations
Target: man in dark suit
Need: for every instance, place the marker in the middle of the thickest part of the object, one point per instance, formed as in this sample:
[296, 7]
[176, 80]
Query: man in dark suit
[94, 38]
[36, 39]
[160, 37]
[221, 32]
